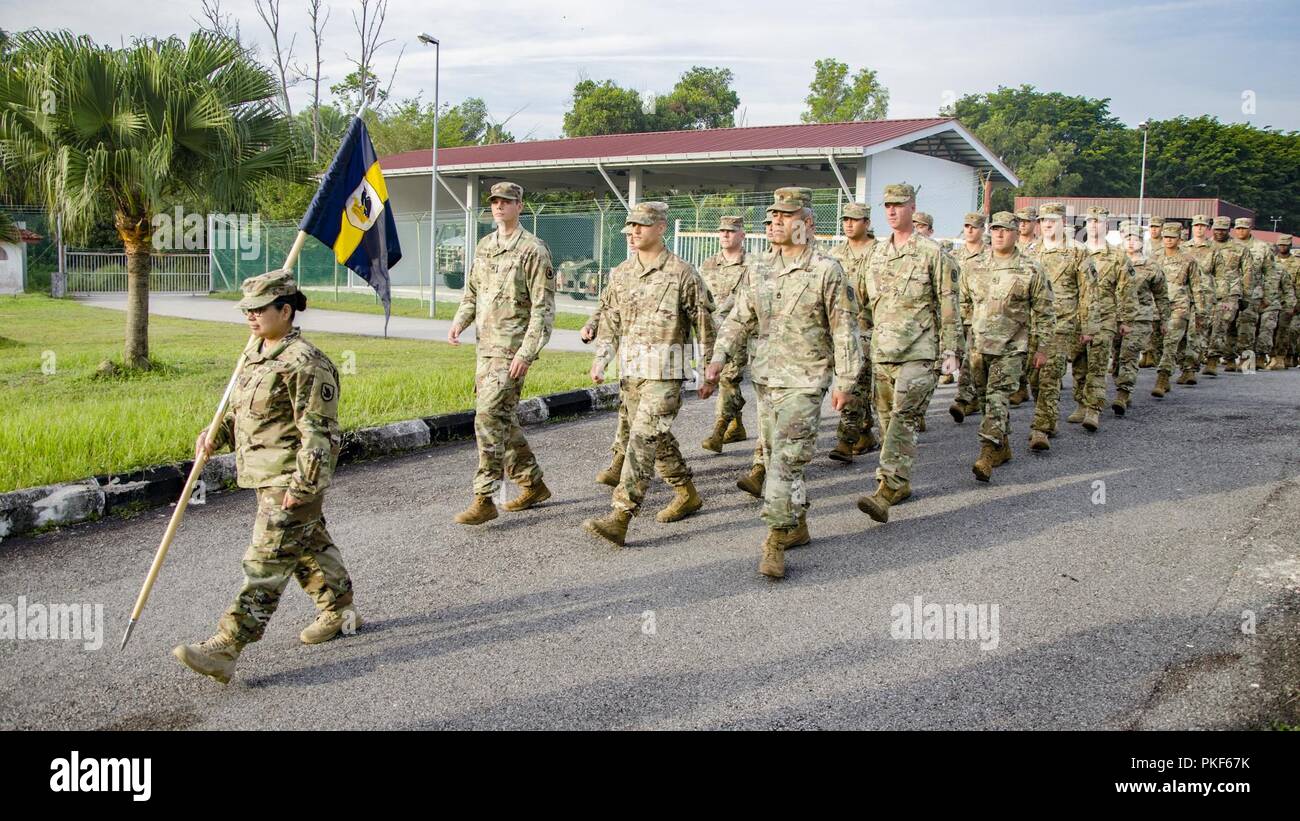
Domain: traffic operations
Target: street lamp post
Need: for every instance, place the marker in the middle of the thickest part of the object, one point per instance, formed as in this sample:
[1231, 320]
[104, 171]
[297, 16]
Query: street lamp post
[430, 40]
[1142, 184]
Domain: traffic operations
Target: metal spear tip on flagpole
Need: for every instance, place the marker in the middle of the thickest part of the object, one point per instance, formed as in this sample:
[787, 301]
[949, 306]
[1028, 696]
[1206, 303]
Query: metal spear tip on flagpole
[130, 625]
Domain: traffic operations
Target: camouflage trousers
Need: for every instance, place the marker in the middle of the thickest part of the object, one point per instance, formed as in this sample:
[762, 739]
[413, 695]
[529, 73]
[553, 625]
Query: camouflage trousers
[1221, 330]
[996, 377]
[286, 543]
[1029, 376]
[1267, 330]
[967, 391]
[856, 418]
[1129, 350]
[788, 427]
[1247, 326]
[652, 405]
[1047, 406]
[502, 448]
[1156, 346]
[903, 391]
[730, 400]
[1088, 369]
[1177, 343]
[620, 435]
[1284, 336]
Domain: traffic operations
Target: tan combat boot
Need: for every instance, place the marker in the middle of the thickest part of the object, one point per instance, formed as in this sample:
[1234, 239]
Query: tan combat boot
[772, 564]
[1019, 397]
[1184, 378]
[714, 440]
[330, 623]
[1232, 367]
[958, 412]
[1091, 420]
[1120, 404]
[735, 432]
[1004, 452]
[1162, 386]
[533, 495]
[877, 504]
[946, 379]
[972, 408]
[1038, 441]
[865, 444]
[686, 502]
[752, 483]
[1211, 366]
[842, 452]
[214, 658]
[610, 475]
[983, 467]
[611, 528]
[1275, 363]
[1076, 417]
[483, 509]
[1147, 361]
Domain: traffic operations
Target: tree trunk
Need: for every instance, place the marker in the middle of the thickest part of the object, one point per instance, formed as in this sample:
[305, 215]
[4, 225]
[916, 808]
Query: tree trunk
[136, 235]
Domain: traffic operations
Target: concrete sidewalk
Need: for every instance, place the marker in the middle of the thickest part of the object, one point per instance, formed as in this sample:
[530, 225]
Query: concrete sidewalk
[315, 319]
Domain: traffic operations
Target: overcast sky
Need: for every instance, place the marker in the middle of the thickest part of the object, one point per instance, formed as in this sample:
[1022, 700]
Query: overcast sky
[1159, 59]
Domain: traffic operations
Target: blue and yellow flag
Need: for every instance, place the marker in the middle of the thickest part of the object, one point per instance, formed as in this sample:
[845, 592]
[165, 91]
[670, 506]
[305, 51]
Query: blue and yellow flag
[351, 214]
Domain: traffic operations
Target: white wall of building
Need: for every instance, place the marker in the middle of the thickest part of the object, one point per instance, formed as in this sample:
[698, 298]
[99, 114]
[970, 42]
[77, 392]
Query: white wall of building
[947, 190]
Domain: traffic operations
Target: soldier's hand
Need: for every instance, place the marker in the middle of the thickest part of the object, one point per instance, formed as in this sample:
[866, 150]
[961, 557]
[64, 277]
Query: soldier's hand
[597, 373]
[713, 373]
[1123, 330]
[201, 445]
[290, 501]
[838, 400]
[1040, 359]
[705, 390]
[453, 335]
[587, 333]
[518, 367]
[951, 364]
[1085, 338]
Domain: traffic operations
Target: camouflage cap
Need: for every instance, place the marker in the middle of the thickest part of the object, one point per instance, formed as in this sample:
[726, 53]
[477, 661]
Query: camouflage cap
[1284, 239]
[857, 211]
[1096, 212]
[976, 220]
[731, 223]
[790, 200]
[1128, 229]
[507, 191]
[899, 193]
[767, 220]
[262, 290]
[648, 213]
[1027, 214]
[923, 218]
[1172, 229]
[1243, 222]
[1051, 209]
[1200, 219]
[1002, 219]
[1157, 221]
[1222, 223]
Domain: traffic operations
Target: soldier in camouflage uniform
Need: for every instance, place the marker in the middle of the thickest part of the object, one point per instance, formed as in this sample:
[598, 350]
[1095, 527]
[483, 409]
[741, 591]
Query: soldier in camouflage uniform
[802, 318]
[1256, 322]
[914, 316]
[1009, 300]
[656, 302]
[723, 273]
[1099, 312]
[1211, 263]
[610, 475]
[1283, 267]
[1289, 332]
[1027, 227]
[1156, 346]
[1143, 302]
[968, 401]
[854, 436]
[1028, 242]
[1180, 272]
[1069, 268]
[283, 426]
[510, 294]
[924, 225]
[1229, 290]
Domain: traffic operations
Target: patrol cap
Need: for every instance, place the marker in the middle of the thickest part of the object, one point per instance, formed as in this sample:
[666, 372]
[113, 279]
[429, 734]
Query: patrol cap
[976, 220]
[899, 193]
[1200, 219]
[1002, 219]
[1131, 230]
[731, 223]
[1243, 222]
[923, 218]
[1051, 209]
[648, 213]
[857, 211]
[1222, 223]
[1172, 229]
[507, 191]
[1284, 239]
[790, 200]
[1027, 214]
[1157, 221]
[1096, 212]
[262, 290]
[767, 220]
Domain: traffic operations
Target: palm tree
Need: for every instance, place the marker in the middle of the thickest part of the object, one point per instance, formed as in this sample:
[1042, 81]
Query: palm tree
[121, 134]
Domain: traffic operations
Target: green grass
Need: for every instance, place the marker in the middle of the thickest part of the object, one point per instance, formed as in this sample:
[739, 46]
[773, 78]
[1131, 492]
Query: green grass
[69, 424]
[361, 303]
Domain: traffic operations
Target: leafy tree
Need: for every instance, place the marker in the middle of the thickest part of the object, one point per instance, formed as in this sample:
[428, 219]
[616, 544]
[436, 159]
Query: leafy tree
[703, 98]
[834, 98]
[604, 108]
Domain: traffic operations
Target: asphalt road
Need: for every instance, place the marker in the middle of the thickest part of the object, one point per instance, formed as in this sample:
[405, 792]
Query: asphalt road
[1116, 615]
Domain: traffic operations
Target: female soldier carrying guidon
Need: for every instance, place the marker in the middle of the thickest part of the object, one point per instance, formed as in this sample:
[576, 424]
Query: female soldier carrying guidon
[283, 426]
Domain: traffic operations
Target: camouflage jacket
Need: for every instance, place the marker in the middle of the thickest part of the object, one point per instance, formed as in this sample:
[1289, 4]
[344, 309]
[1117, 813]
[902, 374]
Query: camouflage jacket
[723, 277]
[1212, 265]
[283, 419]
[1099, 301]
[1233, 272]
[1289, 281]
[1261, 285]
[1068, 267]
[1149, 301]
[510, 294]
[800, 319]
[913, 303]
[650, 316]
[1179, 271]
[1009, 301]
[855, 275]
[966, 261]
[593, 322]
